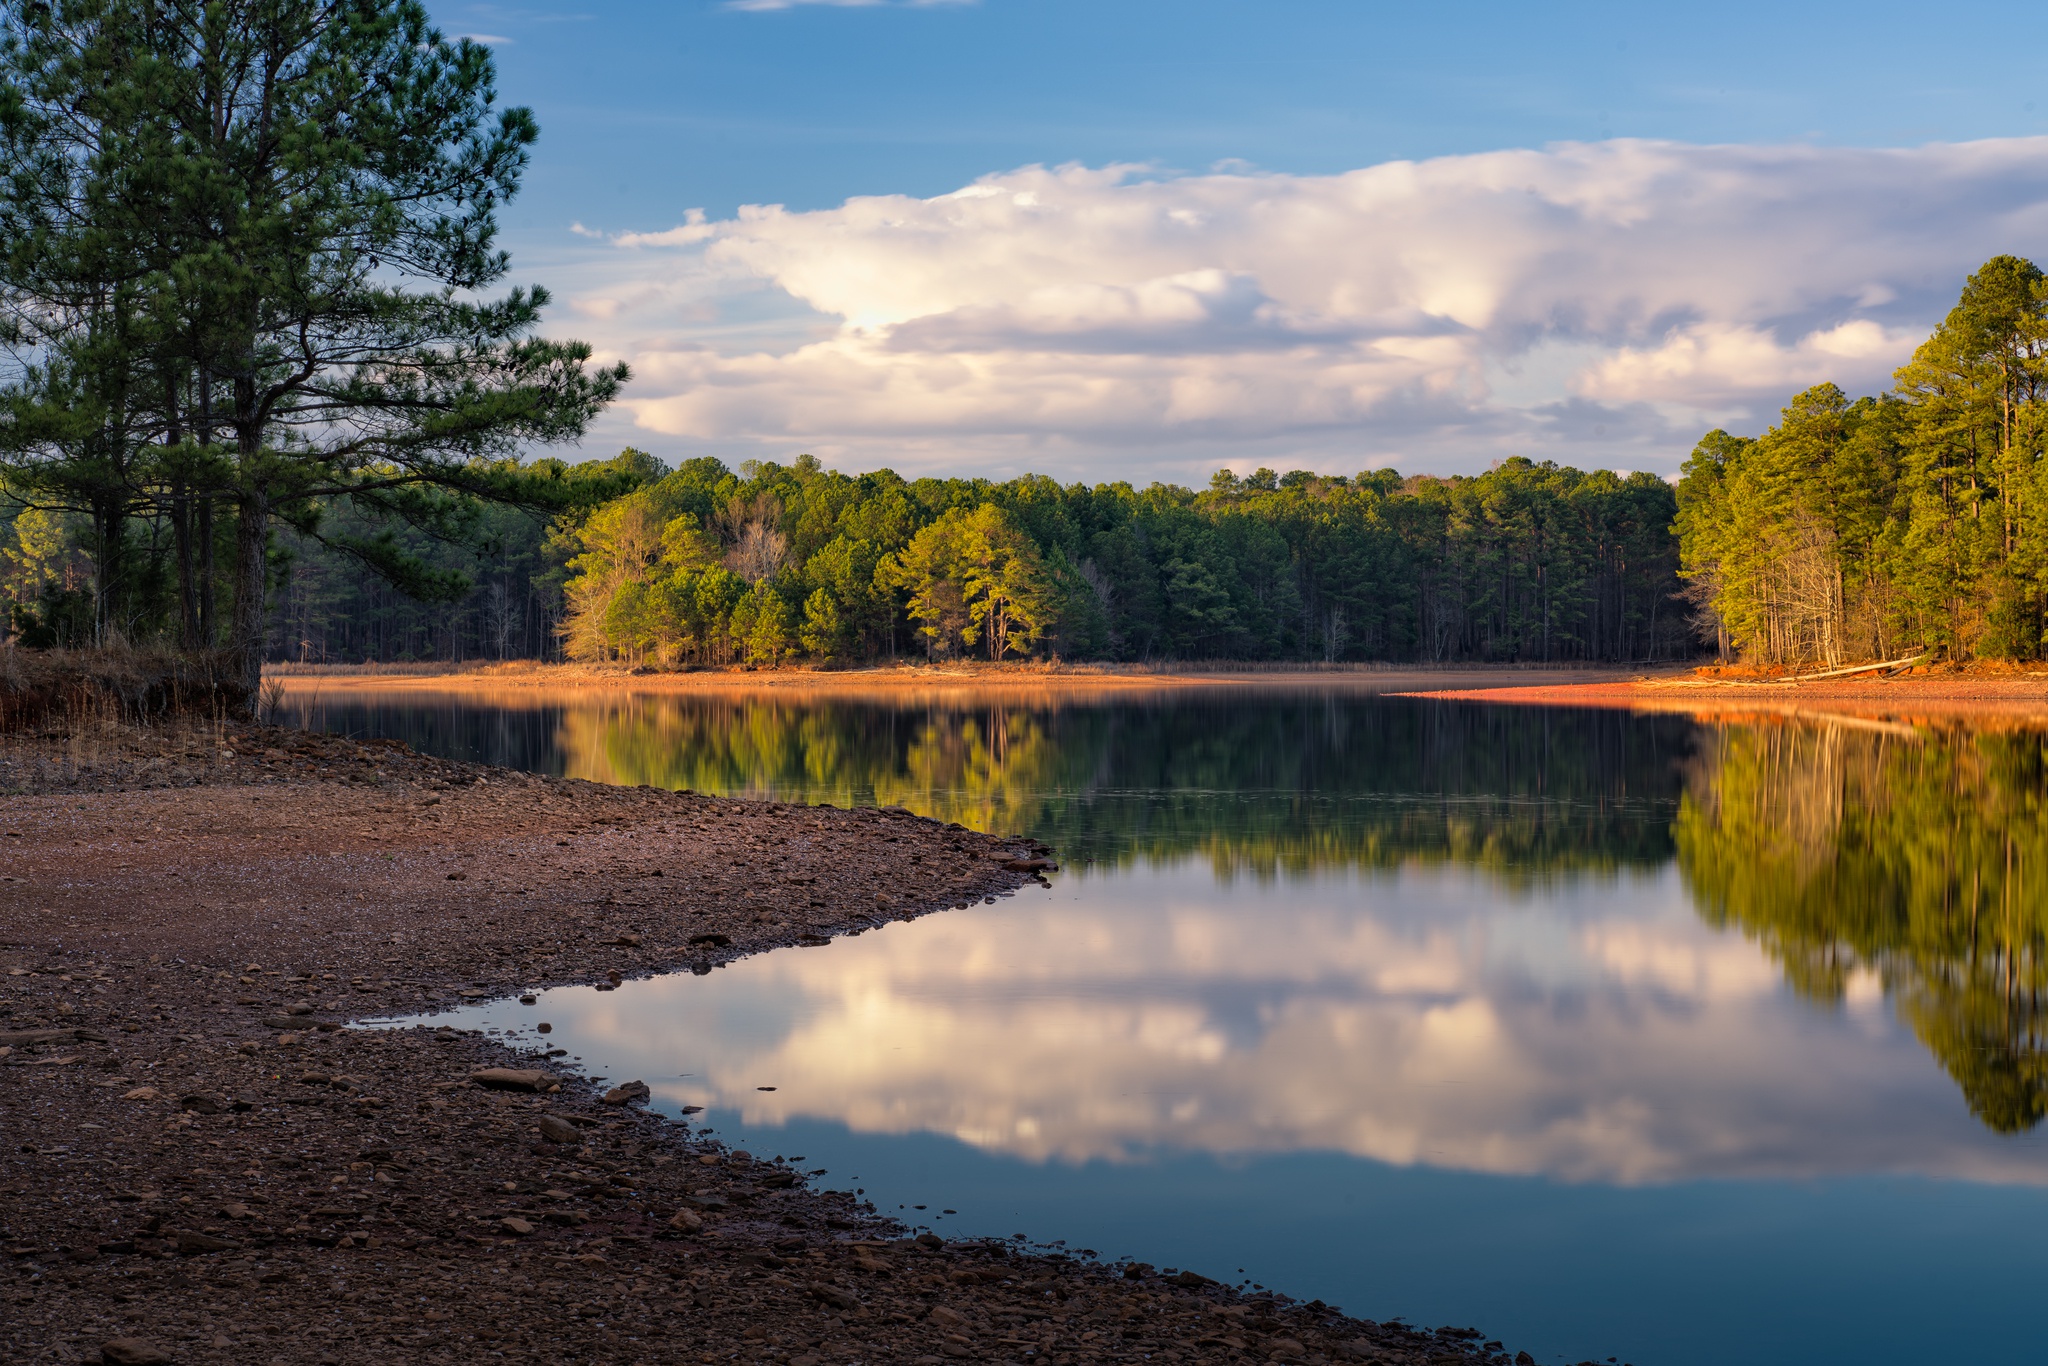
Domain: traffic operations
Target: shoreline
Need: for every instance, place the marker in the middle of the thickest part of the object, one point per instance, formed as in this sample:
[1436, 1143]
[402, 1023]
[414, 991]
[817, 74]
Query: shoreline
[504, 683]
[224, 1170]
[1925, 698]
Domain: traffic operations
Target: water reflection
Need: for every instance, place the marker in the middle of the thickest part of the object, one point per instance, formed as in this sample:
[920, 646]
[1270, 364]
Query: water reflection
[1920, 858]
[1591, 1030]
[1254, 781]
[1875, 864]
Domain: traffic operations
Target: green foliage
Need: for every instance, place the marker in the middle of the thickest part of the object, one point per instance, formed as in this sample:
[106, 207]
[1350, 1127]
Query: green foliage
[1858, 530]
[1529, 562]
[209, 217]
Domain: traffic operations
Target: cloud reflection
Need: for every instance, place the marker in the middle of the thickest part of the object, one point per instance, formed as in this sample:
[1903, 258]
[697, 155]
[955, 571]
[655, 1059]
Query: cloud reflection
[1589, 1029]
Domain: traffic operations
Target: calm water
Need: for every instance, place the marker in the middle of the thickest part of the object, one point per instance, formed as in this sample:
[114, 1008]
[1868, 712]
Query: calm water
[1605, 1034]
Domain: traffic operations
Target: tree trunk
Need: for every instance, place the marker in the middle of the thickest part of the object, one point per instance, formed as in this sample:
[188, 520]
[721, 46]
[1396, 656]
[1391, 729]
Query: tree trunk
[209, 628]
[188, 588]
[246, 632]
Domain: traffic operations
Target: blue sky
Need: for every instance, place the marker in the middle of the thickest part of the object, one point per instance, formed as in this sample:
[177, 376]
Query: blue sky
[651, 111]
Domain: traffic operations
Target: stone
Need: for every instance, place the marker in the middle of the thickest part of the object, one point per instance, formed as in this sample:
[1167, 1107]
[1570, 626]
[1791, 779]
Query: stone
[512, 1079]
[716, 941]
[625, 1093]
[555, 1129]
[133, 1352]
[687, 1221]
[199, 1103]
[25, 1038]
[947, 1318]
[515, 1226]
[930, 1241]
[843, 1300]
[1026, 865]
[141, 1093]
[1193, 1280]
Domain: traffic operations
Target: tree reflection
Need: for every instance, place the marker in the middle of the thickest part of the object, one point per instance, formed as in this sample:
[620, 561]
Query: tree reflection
[1261, 786]
[1915, 855]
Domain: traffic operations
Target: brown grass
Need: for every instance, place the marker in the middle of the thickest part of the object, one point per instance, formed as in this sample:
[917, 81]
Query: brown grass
[42, 689]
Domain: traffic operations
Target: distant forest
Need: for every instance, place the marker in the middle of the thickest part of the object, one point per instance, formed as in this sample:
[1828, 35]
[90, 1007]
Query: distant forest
[774, 564]
[1853, 529]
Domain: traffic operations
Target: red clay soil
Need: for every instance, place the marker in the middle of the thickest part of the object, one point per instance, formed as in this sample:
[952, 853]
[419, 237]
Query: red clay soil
[1993, 695]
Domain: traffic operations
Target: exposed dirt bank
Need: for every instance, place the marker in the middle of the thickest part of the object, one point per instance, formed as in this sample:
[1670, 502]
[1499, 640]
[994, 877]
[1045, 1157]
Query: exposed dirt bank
[2001, 697]
[506, 684]
[201, 1165]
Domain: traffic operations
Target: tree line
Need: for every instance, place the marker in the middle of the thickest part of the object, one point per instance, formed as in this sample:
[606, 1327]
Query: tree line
[776, 563]
[1880, 526]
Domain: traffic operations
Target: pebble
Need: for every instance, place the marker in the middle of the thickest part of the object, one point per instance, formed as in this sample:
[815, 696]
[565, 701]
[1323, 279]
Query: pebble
[515, 1226]
[133, 1352]
[625, 1093]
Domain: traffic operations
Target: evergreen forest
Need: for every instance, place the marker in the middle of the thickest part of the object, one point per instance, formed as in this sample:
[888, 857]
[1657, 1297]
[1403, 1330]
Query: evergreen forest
[1854, 529]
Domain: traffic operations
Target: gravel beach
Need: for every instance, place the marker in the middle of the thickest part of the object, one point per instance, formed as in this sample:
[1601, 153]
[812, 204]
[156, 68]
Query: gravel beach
[203, 1163]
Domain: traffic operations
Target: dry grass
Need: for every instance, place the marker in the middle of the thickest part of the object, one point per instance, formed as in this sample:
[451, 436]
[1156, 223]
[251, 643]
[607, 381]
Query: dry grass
[64, 689]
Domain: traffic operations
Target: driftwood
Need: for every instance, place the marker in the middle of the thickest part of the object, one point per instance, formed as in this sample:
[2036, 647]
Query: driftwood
[1906, 663]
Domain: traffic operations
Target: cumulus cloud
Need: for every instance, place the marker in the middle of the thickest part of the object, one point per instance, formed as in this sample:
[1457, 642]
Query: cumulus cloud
[1598, 303]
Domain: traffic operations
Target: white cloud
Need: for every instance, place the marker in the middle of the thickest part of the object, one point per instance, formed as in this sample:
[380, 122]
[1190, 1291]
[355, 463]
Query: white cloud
[1596, 303]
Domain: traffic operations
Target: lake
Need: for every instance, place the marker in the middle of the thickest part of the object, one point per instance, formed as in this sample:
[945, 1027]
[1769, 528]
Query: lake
[1678, 1042]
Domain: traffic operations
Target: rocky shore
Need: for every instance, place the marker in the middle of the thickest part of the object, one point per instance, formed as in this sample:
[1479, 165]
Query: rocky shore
[204, 1163]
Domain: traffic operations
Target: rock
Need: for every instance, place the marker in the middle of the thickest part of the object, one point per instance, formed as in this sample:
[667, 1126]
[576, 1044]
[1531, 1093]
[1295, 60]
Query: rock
[687, 1221]
[716, 941]
[299, 1008]
[1193, 1280]
[199, 1103]
[544, 1027]
[515, 1226]
[24, 1038]
[512, 1079]
[948, 1318]
[555, 1129]
[1286, 1348]
[931, 1241]
[133, 1352]
[779, 1180]
[843, 1300]
[625, 1093]
[192, 1244]
[1026, 865]
[141, 1093]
